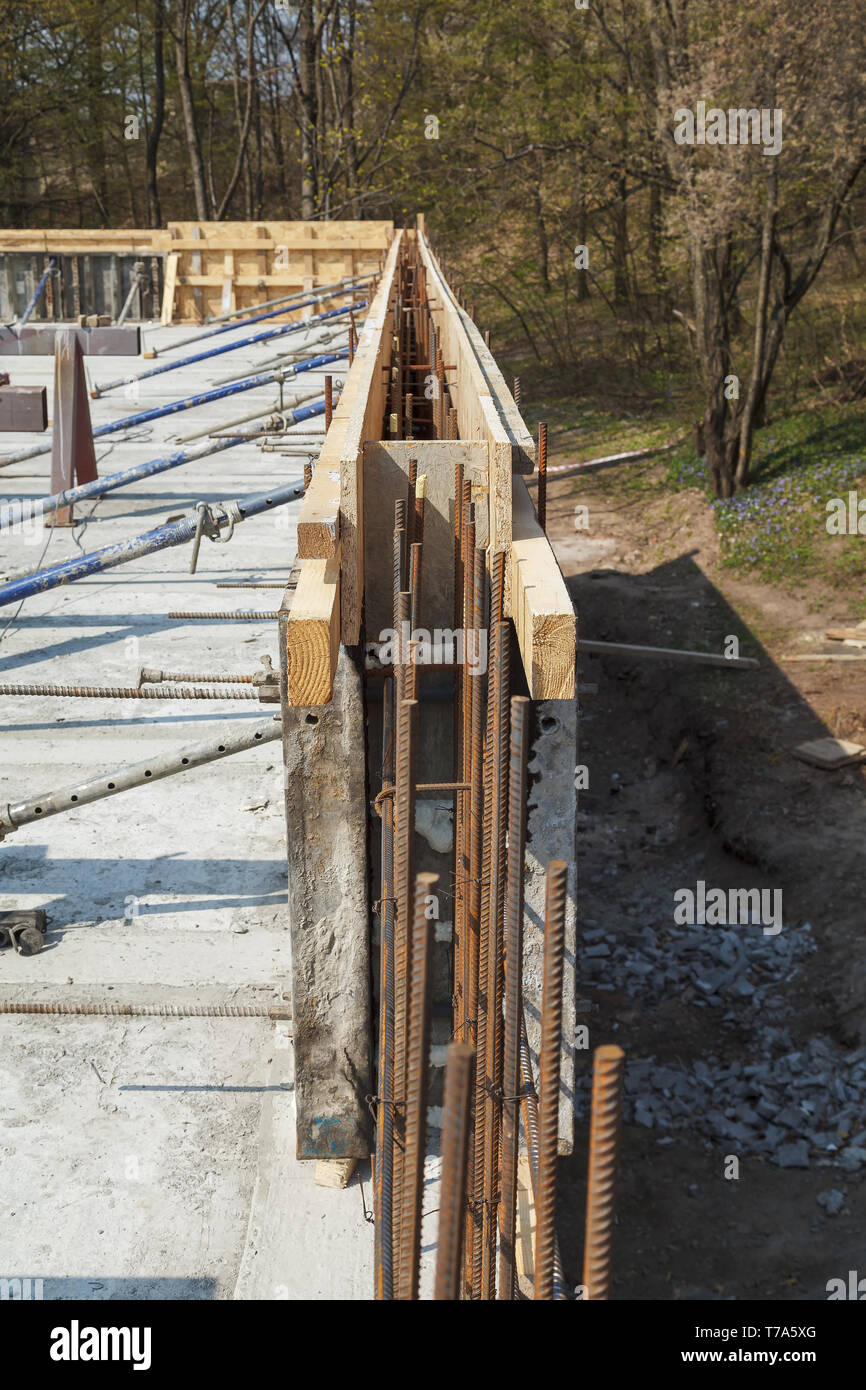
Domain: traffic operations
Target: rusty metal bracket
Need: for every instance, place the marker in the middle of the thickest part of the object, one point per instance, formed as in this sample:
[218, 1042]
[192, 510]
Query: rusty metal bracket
[23, 929]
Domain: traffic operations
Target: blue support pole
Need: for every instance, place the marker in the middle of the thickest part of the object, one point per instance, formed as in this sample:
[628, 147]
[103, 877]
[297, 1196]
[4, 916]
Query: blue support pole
[37, 292]
[287, 306]
[19, 511]
[161, 538]
[279, 374]
[277, 332]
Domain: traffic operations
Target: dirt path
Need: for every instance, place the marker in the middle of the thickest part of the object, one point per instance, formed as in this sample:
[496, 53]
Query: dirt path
[744, 1041]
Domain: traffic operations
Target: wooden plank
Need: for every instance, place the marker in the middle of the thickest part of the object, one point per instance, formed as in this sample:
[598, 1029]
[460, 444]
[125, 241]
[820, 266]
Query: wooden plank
[227, 302]
[830, 753]
[365, 422]
[195, 263]
[542, 611]
[313, 633]
[171, 265]
[319, 517]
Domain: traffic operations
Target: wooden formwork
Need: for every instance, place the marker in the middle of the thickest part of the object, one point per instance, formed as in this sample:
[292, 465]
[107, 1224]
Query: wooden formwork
[331, 518]
[211, 268]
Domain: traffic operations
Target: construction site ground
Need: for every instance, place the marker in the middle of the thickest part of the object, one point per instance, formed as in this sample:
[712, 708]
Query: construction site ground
[155, 1155]
[692, 777]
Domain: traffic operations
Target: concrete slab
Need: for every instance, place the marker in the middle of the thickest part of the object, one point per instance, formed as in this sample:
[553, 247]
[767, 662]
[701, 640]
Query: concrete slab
[142, 1156]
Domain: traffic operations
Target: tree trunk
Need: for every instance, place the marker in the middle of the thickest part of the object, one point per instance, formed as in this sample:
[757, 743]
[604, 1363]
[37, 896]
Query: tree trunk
[154, 209]
[309, 113]
[190, 128]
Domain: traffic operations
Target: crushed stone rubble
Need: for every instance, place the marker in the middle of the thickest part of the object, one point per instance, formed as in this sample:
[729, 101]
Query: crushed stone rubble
[794, 1107]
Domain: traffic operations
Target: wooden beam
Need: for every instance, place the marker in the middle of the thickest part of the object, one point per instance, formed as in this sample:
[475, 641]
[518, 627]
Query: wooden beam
[313, 633]
[171, 264]
[365, 422]
[542, 611]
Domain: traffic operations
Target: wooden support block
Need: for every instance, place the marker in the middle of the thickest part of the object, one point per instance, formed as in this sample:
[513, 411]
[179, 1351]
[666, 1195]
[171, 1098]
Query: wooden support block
[171, 264]
[313, 632]
[334, 1172]
[542, 611]
[847, 634]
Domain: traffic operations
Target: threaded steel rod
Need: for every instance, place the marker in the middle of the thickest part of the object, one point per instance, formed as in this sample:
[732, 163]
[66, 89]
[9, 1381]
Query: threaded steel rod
[248, 617]
[551, 1054]
[541, 498]
[607, 1078]
[385, 1114]
[404, 827]
[127, 692]
[273, 1011]
[417, 1077]
[459, 1072]
[513, 951]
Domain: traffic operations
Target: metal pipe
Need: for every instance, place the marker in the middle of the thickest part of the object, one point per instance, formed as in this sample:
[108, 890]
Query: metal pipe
[335, 285]
[513, 951]
[15, 512]
[137, 774]
[34, 298]
[161, 538]
[189, 402]
[607, 1077]
[275, 332]
[459, 1068]
[298, 302]
[281, 358]
[550, 1066]
[417, 1084]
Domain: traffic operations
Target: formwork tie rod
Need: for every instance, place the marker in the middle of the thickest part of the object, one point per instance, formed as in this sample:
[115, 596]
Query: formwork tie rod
[254, 318]
[242, 315]
[238, 740]
[18, 511]
[160, 538]
[249, 383]
[276, 331]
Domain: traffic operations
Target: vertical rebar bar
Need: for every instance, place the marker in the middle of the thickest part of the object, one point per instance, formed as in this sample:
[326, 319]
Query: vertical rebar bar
[407, 415]
[513, 951]
[412, 483]
[459, 1069]
[541, 501]
[550, 1066]
[607, 1078]
[517, 393]
[385, 1111]
[329, 402]
[404, 824]
[417, 1075]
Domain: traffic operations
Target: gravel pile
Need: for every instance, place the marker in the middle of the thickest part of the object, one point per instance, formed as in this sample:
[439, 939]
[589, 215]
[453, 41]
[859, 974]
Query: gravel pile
[799, 1108]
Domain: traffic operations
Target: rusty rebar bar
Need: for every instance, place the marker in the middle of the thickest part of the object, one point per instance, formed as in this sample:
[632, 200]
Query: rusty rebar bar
[131, 692]
[251, 616]
[516, 392]
[550, 1066]
[407, 415]
[153, 675]
[541, 498]
[513, 953]
[276, 1012]
[607, 1078]
[412, 482]
[384, 1242]
[404, 829]
[329, 402]
[417, 1079]
[459, 1069]
[529, 1112]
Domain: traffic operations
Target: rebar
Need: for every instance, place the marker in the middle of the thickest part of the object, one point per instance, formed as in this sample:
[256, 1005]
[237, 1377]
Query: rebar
[541, 499]
[239, 617]
[417, 1077]
[459, 1068]
[384, 1252]
[273, 1011]
[127, 692]
[513, 952]
[550, 1066]
[607, 1079]
[404, 829]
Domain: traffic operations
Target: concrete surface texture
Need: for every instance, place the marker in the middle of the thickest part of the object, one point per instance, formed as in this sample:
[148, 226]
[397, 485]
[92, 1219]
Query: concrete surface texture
[153, 1157]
